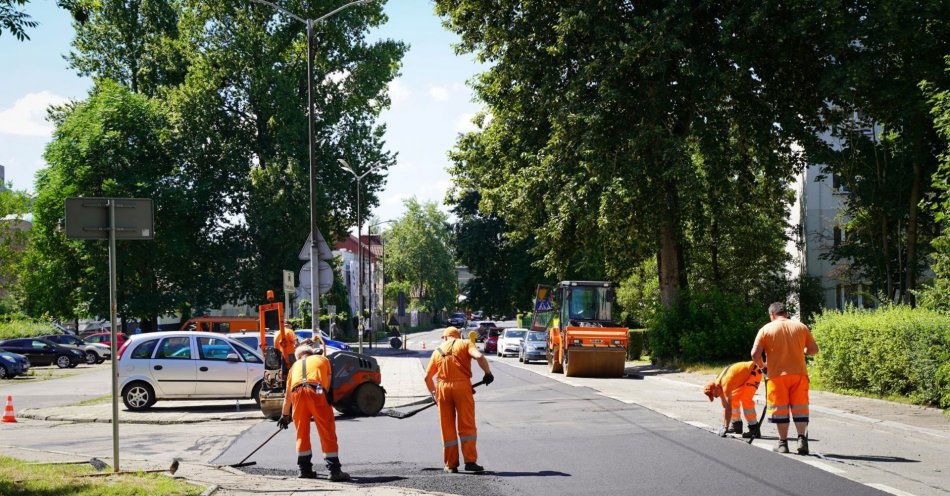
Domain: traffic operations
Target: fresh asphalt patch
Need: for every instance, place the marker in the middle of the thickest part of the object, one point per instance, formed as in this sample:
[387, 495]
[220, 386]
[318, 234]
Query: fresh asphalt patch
[540, 436]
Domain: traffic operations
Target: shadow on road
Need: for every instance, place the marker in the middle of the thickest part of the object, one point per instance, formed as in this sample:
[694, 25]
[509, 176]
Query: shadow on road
[871, 458]
[641, 371]
[382, 479]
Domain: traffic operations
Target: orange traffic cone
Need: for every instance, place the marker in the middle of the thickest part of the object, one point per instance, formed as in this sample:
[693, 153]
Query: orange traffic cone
[8, 416]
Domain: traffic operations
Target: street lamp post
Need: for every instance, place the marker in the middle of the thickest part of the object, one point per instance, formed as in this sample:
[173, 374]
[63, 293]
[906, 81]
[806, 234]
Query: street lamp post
[314, 259]
[359, 240]
[369, 240]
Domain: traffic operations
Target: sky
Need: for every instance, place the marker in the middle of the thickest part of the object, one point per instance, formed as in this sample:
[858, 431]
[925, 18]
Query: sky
[431, 102]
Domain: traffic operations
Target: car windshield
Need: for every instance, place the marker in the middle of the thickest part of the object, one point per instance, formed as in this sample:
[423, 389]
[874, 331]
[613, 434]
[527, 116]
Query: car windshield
[515, 334]
[493, 333]
[458, 315]
[486, 324]
[537, 336]
[589, 303]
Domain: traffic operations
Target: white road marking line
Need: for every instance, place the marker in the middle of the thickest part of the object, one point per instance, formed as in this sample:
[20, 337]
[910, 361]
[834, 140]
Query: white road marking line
[823, 466]
[888, 489]
[698, 424]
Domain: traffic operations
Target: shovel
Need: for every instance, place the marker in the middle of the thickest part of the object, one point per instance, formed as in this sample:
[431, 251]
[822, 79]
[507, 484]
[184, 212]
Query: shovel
[244, 462]
[765, 408]
[404, 415]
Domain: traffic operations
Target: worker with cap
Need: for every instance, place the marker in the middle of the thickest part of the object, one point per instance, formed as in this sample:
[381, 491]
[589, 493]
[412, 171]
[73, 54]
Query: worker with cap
[785, 343]
[309, 393]
[451, 363]
[285, 341]
[735, 386]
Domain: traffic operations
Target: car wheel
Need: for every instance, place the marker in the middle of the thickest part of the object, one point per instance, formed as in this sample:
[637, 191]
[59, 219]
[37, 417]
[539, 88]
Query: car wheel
[91, 358]
[63, 362]
[256, 393]
[4, 374]
[138, 396]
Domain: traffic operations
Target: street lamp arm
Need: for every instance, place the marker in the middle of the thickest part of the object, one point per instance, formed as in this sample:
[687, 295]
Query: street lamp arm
[371, 169]
[284, 11]
[338, 9]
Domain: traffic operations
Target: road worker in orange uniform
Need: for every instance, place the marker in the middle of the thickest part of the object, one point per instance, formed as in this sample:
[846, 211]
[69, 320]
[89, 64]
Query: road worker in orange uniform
[285, 340]
[451, 362]
[735, 386]
[785, 343]
[308, 391]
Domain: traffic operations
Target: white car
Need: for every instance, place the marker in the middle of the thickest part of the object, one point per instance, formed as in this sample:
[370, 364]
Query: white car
[187, 365]
[509, 343]
[253, 339]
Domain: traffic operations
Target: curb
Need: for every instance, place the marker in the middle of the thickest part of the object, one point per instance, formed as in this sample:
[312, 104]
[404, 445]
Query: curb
[99, 420]
[210, 490]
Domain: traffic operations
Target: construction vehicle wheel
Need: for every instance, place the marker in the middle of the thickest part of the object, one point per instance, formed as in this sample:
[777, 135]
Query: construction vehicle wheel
[368, 399]
[554, 362]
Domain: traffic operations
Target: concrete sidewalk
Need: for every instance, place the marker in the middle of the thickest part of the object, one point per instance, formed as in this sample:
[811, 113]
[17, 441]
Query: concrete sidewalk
[897, 448]
[402, 378]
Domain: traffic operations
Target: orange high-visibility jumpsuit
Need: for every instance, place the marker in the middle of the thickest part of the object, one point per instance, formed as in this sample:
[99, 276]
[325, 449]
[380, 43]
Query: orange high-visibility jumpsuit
[286, 341]
[452, 365]
[740, 381]
[307, 385]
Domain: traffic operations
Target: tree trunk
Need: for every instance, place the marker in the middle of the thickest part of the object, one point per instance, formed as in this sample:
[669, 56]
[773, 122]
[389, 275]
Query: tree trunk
[670, 259]
[913, 208]
[888, 275]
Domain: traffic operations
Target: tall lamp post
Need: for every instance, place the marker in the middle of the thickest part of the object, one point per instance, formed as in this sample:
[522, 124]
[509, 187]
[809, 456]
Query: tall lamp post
[314, 259]
[359, 239]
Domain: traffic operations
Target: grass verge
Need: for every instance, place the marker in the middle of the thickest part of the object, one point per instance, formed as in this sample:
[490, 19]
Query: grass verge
[94, 401]
[19, 478]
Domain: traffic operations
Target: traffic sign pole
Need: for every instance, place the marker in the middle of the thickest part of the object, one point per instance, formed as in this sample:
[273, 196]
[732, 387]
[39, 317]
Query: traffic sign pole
[112, 345]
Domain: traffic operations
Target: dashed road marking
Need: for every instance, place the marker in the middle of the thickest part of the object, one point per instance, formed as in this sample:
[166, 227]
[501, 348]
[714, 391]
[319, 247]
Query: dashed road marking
[888, 489]
[823, 466]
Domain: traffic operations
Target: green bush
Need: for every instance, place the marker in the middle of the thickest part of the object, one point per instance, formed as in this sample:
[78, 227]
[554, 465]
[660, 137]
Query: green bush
[12, 326]
[895, 350]
[636, 343]
[706, 326]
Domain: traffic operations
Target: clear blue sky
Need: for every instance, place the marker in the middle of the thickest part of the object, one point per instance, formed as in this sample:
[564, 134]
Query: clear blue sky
[431, 102]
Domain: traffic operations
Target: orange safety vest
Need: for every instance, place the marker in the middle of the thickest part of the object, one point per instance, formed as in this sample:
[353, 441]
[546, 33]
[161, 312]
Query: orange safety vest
[316, 376]
[450, 366]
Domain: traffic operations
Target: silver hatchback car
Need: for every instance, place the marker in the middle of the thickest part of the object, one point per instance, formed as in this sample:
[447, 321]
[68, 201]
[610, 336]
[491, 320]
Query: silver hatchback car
[187, 365]
[534, 347]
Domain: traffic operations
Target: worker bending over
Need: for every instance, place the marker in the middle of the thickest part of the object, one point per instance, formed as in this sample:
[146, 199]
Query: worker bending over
[785, 343]
[309, 393]
[451, 362]
[735, 387]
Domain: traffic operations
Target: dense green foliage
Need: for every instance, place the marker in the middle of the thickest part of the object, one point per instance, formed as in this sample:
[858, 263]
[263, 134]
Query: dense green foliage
[637, 343]
[14, 205]
[418, 258]
[504, 277]
[893, 350]
[638, 296]
[938, 294]
[706, 326]
[14, 20]
[225, 83]
[20, 326]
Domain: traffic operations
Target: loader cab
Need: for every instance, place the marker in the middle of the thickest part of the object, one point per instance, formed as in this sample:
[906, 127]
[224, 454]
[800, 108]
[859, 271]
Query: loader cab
[581, 301]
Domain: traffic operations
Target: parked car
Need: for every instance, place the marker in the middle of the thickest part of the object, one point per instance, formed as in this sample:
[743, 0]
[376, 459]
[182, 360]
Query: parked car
[457, 320]
[491, 342]
[95, 352]
[482, 330]
[510, 341]
[187, 365]
[332, 343]
[106, 339]
[478, 315]
[13, 364]
[253, 338]
[45, 352]
[534, 347]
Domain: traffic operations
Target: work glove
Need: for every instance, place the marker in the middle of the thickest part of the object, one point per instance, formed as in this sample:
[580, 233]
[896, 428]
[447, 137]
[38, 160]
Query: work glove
[284, 421]
[488, 378]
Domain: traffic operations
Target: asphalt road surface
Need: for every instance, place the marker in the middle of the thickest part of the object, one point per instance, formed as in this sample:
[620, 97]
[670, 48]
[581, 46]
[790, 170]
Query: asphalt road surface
[539, 436]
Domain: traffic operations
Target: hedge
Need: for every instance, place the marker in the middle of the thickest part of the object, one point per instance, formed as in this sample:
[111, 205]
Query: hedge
[896, 350]
[20, 327]
[637, 343]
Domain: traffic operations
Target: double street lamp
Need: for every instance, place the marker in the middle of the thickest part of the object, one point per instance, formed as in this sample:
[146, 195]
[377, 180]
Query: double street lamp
[314, 258]
[359, 240]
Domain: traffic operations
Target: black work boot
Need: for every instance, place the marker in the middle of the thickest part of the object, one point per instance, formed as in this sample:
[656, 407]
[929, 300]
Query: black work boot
[473, 467]
[755, 431]
[306, 468]
[803, 444]
[782, 446]
[737, 426]
[336, 470]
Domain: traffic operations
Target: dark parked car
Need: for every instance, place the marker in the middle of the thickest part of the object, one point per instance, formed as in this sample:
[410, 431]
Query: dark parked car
[95, 352]
[45, 352]
[457, 320]
[12, 365]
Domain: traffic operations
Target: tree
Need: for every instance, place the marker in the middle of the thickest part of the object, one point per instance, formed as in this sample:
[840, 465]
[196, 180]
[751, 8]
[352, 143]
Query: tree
[14, 205]
[117, 144]
[938, 294]
[889, 145]
[418, 254]
[504, 277]
[610, 121]
[233, 77]
[14, 20]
